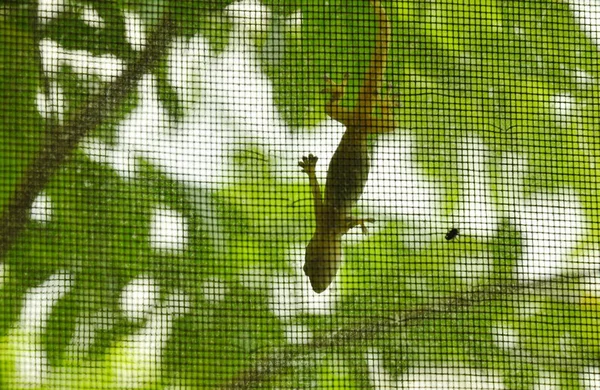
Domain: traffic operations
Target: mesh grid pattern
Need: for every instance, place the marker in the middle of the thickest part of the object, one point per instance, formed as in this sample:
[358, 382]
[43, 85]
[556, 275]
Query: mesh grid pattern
[157, 231]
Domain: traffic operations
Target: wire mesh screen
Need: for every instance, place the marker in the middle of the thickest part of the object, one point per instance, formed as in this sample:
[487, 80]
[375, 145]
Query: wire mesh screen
[299, 194]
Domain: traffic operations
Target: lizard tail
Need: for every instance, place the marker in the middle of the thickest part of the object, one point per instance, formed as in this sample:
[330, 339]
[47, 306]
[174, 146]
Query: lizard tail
[368, 93]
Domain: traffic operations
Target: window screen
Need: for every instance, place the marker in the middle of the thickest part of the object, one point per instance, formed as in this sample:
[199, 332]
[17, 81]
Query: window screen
[299, 194]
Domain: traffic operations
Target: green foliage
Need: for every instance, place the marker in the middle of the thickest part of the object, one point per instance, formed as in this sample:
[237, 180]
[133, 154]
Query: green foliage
[484, 74]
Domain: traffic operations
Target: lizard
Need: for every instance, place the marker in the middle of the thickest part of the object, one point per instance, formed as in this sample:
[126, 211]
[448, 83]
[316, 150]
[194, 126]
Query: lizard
[349, 167]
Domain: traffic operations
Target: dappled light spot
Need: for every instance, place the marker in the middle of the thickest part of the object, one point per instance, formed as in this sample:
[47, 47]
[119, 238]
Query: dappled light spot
[4, 273]
[587, 13]
[563, 105]
[50, 9]
[40, 300]
[505, 336]
[27, 342]
[589, 378]
[168, 231]
[214, 290]
[52, 105]
[41, 209]
[139, 298]
[135, 30]
[551, 226]
[472, 269]
[430, 375]
[298, 334]
[91, 17]
[53, 57]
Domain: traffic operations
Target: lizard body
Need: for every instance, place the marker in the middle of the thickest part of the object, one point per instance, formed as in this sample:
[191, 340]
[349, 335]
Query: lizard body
[349, 167]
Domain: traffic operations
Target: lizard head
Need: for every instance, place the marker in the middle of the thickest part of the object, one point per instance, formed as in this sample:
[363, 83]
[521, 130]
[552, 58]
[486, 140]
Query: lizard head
[323, 259]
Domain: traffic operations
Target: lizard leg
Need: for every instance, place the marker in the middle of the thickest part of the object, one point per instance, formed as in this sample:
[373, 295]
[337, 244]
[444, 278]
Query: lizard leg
[359, 222]
[308, 165]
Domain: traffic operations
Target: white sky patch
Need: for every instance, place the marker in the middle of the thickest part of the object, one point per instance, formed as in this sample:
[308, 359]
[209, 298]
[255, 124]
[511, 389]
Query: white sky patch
[587, 13]
[197, 153]
[240, 93]
[254, 278]
[588, 260]
[563, 105]
[39, 301]
[53, 57]
[135, 30]
[106, 67]
[50, 9]
[53, 104]
[139, 298]
[169, 231]
[298, 334]
[505, 336]
[143, 133]
[214, 290]
[396, 186]
[91, 17]
[187, 63]
[477, 214]
[249, 16]
[177, 304]
[41, 210]
[284, 301]
[551, 226]
[514, 167]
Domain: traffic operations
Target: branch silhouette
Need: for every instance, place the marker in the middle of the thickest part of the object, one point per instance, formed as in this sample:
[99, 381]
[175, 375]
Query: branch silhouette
[285, 357]
[61, 140]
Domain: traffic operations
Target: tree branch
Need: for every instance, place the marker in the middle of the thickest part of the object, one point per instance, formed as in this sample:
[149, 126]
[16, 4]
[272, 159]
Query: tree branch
[61, 140]
[283, 358]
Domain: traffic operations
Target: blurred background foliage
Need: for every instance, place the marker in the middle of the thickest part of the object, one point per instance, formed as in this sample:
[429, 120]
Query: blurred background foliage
[139, 272]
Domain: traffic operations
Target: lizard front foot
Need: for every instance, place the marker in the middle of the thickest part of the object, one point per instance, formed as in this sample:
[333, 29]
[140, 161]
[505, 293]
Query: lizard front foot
[308, 164]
